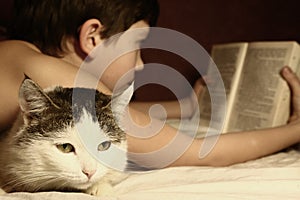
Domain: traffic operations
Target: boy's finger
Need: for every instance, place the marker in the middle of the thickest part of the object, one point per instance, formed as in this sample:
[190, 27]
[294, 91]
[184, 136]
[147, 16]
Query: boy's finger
[291, 79]
[198, 86]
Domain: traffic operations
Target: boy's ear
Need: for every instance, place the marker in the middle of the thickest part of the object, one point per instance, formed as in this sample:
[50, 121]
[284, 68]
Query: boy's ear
[89, 36]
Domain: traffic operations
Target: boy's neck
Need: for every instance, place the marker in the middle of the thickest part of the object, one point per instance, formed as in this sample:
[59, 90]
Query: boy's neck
[73, 55]
[73, 59]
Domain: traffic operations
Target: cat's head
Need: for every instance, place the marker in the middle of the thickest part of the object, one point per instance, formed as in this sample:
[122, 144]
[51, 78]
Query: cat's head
[47, 153]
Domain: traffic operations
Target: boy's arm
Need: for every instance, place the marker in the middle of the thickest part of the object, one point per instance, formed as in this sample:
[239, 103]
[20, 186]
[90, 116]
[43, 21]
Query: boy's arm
[230, 148]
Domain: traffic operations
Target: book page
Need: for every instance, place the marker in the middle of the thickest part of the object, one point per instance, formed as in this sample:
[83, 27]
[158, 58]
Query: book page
[263, 96]
[229, 60]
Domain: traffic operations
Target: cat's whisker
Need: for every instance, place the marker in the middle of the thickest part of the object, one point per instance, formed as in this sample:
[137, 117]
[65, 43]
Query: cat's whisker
[37, 184]
[64, 185]
[46, 183]
[30, 179]
[15, 183]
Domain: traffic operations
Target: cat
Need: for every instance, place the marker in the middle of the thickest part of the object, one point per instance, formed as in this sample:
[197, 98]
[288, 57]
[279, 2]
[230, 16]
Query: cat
[43, 151]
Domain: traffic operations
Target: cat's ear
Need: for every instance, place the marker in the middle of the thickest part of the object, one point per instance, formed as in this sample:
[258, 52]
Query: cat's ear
[32, 98]
[121, 100]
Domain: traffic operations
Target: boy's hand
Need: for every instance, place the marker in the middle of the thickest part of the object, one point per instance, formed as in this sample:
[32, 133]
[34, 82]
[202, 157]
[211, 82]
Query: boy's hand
[193, 99]
[198, 86]
[294, 84]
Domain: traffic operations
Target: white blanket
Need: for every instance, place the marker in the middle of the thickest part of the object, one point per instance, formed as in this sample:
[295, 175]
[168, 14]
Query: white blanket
[273, 177]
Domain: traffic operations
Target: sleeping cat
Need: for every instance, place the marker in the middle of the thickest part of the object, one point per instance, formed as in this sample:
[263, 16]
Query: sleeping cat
[43, 151]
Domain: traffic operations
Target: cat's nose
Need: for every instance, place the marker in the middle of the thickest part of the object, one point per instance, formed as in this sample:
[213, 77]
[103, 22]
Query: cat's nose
[89, 172]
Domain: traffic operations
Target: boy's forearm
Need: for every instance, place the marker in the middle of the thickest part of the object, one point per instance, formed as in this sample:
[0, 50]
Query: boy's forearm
[240, 147]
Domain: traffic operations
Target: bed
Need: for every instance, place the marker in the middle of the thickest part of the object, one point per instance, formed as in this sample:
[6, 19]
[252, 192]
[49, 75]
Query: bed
[273, 177]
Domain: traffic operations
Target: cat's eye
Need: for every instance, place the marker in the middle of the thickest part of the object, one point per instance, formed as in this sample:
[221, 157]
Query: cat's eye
[104, 146]
[66, 148]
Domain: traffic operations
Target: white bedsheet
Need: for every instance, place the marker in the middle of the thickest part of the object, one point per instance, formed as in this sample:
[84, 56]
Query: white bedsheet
[273, 177]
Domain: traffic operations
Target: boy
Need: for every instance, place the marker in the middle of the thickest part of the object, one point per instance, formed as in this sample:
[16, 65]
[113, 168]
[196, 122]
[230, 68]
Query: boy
[52, 39]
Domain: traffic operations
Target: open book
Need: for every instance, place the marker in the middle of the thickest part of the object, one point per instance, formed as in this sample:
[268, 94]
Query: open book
[256, 94]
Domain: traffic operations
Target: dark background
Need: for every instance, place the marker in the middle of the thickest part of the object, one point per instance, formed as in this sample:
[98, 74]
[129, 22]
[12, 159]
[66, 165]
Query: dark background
[209, 22]
[219, 21]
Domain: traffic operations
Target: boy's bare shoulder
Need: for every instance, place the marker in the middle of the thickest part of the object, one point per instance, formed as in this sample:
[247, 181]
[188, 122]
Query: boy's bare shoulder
[18, 58]
[16, 44]
[12, 51]
[18, 48]
[15, 53]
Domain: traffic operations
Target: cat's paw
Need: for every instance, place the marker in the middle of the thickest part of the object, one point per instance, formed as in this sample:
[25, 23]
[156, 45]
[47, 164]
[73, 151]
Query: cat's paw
[2, 192]
[100, 189]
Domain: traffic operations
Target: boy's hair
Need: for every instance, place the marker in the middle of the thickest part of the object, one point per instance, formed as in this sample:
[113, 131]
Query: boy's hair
[46, 23]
